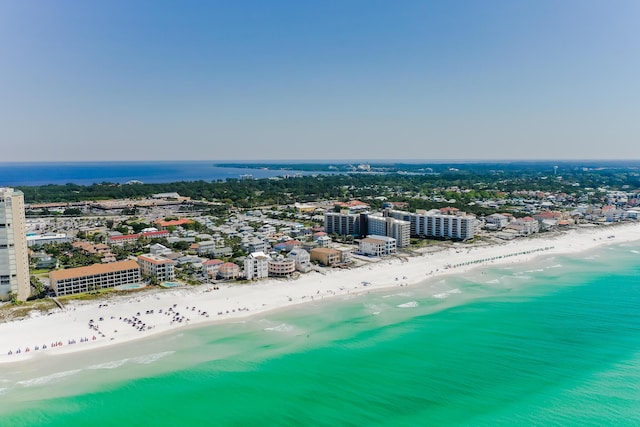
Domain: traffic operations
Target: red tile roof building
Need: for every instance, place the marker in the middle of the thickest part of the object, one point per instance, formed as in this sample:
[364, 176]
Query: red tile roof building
[119, 240]
[162, 224]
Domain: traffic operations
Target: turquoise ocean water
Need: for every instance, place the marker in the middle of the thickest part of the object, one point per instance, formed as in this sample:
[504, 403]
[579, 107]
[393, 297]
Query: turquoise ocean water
[553, 342]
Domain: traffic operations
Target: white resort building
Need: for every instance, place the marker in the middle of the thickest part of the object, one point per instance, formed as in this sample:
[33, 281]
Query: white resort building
[342, 223]
[434, 223]
[388, 226]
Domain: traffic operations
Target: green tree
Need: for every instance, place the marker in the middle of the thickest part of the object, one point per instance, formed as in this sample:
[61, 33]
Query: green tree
[37, 286]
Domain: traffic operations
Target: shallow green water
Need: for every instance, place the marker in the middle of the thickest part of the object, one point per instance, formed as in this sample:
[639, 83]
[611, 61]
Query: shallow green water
[551, 343]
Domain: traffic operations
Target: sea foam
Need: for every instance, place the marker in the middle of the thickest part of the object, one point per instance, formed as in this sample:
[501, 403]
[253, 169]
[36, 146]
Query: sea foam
[283, 327]
[444, 295]
[409, 304]
[109, 365]
[150, 358]
[48, 378]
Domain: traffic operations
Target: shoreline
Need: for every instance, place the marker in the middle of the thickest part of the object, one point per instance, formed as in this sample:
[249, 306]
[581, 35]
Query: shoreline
[127, 318]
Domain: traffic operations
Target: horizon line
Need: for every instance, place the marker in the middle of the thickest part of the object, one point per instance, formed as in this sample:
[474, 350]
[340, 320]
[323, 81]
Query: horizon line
[321, 161]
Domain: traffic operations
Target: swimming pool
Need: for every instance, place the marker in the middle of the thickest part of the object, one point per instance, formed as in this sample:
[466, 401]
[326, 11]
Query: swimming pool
[130, 286]
[171, 284]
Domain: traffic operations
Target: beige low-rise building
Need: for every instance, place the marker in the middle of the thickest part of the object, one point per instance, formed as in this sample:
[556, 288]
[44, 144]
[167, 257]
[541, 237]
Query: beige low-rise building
[210, 268]
[94, 277]
[157, 267]
[325, 256]
[228, 271]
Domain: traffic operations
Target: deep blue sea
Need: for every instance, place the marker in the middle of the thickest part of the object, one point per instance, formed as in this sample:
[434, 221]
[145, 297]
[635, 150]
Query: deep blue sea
[555, 342]
[87, 173]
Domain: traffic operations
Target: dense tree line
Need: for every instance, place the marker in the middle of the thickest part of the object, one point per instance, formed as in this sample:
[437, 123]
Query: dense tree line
[477, 182]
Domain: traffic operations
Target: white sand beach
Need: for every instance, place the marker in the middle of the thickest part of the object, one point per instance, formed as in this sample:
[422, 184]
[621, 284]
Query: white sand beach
[86, 325]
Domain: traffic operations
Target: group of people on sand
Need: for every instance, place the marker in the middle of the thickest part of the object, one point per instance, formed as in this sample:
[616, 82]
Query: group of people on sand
[140, 323]
[44, 346]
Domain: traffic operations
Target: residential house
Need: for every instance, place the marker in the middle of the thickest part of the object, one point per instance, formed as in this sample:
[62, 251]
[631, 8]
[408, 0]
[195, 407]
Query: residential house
[302, 259]
[256, 266]
[228, 271]
[210, 267]
[375, 245]
[325, 256]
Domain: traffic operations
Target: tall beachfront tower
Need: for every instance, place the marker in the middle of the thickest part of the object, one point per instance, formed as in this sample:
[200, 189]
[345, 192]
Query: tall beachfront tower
[14, 260]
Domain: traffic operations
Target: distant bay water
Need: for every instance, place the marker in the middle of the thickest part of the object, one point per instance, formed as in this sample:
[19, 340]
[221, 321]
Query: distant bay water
[87, 173]
[555, 342]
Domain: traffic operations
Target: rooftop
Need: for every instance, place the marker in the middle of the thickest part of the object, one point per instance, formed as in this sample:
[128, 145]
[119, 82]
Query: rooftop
[92, 270]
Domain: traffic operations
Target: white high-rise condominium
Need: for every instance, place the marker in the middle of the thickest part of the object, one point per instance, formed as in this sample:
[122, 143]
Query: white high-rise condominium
[14, 260]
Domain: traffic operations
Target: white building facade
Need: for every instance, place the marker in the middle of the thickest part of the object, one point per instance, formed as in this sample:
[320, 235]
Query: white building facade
[342, 223]
[302, 259]
[388, 226]
[256, 266]
[433, 223]
[496, 221]
[377, 246]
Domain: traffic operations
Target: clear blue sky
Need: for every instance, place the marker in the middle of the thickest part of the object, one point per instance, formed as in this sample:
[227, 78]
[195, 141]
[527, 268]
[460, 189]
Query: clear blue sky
[347, 79]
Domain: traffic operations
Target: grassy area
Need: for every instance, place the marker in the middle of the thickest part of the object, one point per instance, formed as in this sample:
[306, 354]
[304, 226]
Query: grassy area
[11, 311]
[87, 296]
[101, 294]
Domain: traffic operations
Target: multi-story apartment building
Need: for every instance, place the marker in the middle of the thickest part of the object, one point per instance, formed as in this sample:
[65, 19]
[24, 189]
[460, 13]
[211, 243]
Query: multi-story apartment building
[448, 226]
[399, 229]
[94, 277]
[14, 259]
[434, 223]
[256, 266]
[342, 223]
[161, 269]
